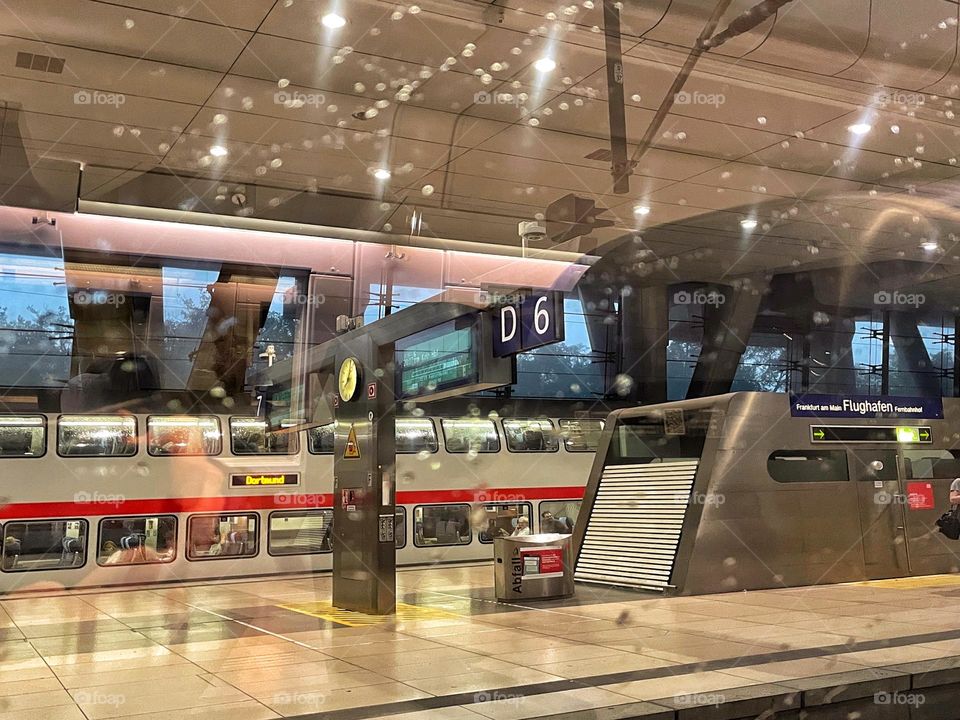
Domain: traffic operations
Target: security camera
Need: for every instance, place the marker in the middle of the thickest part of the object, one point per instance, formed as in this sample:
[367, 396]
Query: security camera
[532, 232]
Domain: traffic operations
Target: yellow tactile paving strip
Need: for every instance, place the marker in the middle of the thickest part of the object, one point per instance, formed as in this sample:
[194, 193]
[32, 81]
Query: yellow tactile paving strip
[913, 583]
[405, 613]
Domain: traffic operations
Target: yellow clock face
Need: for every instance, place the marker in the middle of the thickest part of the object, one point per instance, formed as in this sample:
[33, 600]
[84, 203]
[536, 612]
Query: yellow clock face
[349, 379]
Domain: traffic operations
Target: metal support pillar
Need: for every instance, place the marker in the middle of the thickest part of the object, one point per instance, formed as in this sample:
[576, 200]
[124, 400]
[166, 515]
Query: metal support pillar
[726, 332]
[364, 556]
[645, 332]
[914, 360]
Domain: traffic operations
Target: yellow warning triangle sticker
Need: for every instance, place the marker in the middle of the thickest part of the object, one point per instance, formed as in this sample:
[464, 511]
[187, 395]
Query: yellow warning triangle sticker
[352, 449]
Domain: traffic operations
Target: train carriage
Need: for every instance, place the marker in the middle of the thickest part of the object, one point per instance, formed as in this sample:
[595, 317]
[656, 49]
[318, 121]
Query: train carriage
[94, 500]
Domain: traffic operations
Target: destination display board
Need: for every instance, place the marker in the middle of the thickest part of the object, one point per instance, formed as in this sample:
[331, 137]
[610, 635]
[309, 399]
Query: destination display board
[264, 479]
[866, 406]
[438, 359]
[870, 434]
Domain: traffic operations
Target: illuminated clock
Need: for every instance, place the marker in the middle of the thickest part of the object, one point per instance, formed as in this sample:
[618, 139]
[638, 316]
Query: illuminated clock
[349, 379]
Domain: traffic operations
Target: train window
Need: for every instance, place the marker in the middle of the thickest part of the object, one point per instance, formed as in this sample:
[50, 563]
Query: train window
[22, 436]
[559, 516]
[320, 439]
[400, 528]
[137, 540]
[183, 435]
[530, 436]
[501, 520]
[249, 436]
[437, 525]
[581, 435]
[97, 435]
[44, 545]
[931, 464]
[415, 435]
[662, 436]
[212, 537]
[789, 466]
[302, 532]
[472, 435]
[872, 465]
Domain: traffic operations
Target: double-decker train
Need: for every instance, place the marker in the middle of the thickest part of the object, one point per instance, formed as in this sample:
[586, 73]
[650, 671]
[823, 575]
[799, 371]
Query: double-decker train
[96, 500]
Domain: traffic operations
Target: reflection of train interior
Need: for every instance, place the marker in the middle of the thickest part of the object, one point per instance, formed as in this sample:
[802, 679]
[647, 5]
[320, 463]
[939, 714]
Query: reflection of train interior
[708, 495]
[153, 493]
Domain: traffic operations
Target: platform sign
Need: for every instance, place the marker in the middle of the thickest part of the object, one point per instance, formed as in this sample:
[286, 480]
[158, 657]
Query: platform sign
[866, 406]
[870, 434]
[533, 319]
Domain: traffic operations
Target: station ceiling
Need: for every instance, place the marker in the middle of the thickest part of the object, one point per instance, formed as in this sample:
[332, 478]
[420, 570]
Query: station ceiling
[446, 97]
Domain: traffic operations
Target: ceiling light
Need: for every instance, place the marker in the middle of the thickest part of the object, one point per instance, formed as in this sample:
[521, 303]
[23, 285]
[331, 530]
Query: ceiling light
[748, 223]
[930, 245]
[333, 21]
[641, 210]
[218, 151]
[381, 174]
[545, 65]
[860, 128]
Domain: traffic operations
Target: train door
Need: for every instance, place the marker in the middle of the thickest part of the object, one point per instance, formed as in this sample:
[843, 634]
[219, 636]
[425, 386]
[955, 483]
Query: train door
[882, 523]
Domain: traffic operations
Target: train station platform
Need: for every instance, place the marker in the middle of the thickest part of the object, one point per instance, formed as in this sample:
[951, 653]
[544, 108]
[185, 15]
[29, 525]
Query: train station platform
[274, 647]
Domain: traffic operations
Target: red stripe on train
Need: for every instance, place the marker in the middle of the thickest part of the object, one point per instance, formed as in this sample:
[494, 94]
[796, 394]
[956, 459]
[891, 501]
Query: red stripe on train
[279, 501]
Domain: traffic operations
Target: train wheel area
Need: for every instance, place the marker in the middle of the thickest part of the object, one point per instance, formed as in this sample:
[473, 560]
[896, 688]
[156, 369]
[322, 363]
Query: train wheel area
[275, 647]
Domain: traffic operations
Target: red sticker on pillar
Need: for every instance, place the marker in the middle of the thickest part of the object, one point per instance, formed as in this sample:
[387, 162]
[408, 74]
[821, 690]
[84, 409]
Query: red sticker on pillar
[920, 496]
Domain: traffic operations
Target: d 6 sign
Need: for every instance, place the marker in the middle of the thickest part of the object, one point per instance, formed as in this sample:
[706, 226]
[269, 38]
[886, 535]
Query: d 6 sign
[534, 321]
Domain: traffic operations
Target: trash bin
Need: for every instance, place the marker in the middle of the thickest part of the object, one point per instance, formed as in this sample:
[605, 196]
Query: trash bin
[533, 567]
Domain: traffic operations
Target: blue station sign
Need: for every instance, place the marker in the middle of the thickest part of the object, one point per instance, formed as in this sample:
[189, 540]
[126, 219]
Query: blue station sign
[866, 406]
